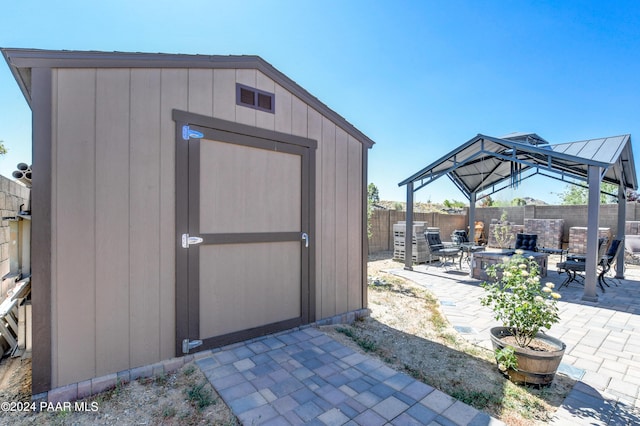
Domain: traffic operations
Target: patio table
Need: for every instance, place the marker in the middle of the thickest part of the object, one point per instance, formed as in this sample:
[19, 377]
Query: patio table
[467, 249]
[550, 250]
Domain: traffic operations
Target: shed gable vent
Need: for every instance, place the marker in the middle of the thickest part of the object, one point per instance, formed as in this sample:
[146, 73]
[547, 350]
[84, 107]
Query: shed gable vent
[254, 98]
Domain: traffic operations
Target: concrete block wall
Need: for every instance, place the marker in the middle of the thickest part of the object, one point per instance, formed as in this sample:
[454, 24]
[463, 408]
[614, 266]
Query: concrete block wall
[487, 214]
[549, 231]
[578, 238]
[573, 215]
[632, 227]
[12, 195]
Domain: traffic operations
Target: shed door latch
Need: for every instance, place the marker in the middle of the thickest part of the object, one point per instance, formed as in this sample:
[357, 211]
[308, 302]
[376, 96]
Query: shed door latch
[187, 240]
[187, 345]
[188, 133]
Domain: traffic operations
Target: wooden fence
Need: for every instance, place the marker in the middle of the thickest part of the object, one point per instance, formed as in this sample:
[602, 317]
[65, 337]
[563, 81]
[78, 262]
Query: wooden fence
[382, 221]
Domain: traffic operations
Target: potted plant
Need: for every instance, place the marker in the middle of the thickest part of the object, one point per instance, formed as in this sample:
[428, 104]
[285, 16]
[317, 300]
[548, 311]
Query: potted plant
[526, 308]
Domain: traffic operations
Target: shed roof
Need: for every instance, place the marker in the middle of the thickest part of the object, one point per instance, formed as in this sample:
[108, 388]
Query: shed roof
[486, 162]
[21, 61]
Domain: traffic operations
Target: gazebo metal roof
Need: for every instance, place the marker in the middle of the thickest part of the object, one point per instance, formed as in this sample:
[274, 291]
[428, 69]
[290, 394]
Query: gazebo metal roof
[487, 163]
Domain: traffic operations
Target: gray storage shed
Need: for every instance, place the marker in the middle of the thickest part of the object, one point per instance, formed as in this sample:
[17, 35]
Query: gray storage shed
[179, 198]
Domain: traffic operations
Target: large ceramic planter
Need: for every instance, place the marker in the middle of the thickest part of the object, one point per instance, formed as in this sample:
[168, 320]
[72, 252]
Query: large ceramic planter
[534, 367]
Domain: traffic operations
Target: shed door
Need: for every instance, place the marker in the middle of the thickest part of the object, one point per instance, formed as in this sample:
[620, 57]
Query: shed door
[248, 200]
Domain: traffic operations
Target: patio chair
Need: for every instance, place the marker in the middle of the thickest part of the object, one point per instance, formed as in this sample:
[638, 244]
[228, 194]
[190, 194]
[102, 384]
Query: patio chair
[607, 260]
[438, 249]
[526, 242]
[460, 238]
[575, 264]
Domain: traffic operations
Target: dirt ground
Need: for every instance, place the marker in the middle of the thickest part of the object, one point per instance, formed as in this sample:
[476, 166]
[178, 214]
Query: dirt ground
[405, 330]
[184, 397]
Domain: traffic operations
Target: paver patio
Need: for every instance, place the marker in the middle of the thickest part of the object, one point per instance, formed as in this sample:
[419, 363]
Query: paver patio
[603, 339]
[303, 376]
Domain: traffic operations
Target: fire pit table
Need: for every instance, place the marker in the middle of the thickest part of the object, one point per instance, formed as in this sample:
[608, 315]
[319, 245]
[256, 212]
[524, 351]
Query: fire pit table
[482, 260]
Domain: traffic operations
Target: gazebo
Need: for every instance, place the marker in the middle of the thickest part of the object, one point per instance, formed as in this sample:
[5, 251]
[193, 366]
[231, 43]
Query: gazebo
[485, 165]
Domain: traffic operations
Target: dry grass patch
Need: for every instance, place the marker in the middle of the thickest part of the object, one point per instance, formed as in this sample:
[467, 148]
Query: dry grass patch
[183, 397]
[407, 330]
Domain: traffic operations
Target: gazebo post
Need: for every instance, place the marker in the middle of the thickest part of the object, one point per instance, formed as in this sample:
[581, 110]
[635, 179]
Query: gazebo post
[472, 216]
[593, 218]
[622, 214]
[408, 233]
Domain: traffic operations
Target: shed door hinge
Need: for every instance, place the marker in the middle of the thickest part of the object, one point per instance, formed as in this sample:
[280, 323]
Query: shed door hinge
[187, 240]
[187, 345]
[188, 133]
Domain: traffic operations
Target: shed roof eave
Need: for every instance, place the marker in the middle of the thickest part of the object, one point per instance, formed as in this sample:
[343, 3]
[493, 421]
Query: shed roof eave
[25, 86]
[22, 59]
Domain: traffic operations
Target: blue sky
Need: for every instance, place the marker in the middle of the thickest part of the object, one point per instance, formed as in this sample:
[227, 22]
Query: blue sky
[418, 77]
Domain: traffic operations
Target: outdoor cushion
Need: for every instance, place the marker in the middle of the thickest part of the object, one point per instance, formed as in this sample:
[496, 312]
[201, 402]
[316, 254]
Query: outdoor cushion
[434, 241]
[459, 236]
[526, 241]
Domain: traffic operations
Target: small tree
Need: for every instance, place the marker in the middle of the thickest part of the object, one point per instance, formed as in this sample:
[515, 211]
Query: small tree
[486, 201]
[502, 231]
[575, 195]
[373, 197]
[373, 194]
[3, 149]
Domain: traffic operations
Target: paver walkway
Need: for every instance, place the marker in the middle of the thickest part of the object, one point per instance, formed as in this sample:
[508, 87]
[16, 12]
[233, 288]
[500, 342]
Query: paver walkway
[306, 377]
[603, 339]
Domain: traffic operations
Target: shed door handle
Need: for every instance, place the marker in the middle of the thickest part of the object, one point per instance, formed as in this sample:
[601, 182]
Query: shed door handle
[187, 240]
[305, 237]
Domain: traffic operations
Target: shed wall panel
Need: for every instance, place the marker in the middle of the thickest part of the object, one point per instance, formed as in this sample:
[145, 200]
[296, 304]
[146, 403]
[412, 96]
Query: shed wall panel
[299, 121]
[342, 234]
[201, 91]
[315, 132]
[328, 217]
[224, 94]
[354, 225]
[144, 218]
[265, 120]
[283, 111]
[174, 94]
[112, 220]
[75, 226]
[54, 379]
